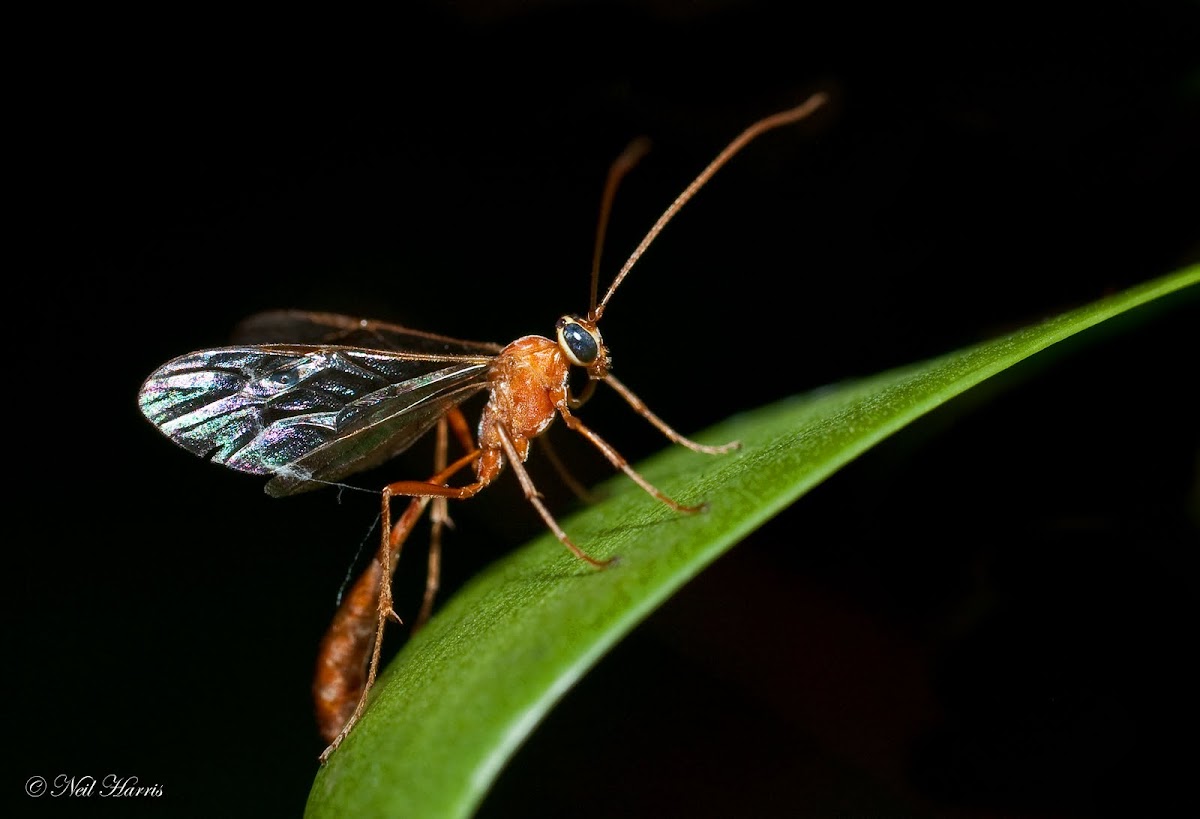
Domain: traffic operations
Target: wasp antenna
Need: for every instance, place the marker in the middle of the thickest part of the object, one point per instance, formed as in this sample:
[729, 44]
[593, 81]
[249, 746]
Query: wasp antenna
[766, 124]
[622, 165]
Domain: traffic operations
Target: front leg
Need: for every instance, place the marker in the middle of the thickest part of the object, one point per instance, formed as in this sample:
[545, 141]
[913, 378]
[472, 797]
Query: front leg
[639, 406]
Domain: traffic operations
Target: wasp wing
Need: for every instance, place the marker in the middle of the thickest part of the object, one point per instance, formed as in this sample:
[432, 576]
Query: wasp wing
[305, 327]
[305, 414]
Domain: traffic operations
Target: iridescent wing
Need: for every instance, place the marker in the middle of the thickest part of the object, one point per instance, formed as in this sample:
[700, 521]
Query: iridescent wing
[308, 414]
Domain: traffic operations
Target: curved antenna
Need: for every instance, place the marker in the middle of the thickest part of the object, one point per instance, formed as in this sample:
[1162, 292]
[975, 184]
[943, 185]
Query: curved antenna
[767, 123]
[622, 165]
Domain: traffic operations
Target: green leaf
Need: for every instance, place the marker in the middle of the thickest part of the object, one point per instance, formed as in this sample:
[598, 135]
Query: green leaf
[467, 690]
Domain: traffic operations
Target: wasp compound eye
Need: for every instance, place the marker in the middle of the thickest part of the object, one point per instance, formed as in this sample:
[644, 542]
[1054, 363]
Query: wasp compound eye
[579, 343]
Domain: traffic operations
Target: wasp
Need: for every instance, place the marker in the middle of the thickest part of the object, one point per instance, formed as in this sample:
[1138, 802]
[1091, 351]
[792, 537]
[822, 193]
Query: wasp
[311, 398]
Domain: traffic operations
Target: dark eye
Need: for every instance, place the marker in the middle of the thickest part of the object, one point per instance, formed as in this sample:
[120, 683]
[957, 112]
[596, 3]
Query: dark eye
[580, 344]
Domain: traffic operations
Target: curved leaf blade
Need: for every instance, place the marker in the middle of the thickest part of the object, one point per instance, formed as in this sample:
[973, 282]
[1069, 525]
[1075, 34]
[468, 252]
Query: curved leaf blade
[467, 690]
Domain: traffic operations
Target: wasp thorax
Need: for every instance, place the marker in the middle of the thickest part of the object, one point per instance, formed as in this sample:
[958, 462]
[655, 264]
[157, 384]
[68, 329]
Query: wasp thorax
[579, 340]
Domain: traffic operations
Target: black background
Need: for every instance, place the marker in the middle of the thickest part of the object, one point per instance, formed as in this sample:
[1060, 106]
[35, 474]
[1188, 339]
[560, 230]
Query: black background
[987, 615]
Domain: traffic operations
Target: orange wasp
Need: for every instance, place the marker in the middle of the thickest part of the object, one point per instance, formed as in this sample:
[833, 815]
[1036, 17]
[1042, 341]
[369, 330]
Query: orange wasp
[343, 395]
